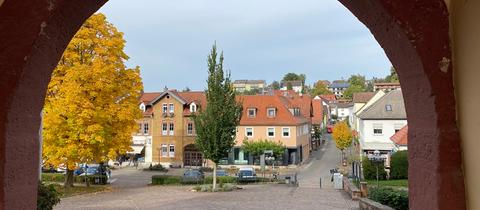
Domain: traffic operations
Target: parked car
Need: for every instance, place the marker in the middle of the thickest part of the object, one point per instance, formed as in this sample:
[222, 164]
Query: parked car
[221, 172]
[247, 174]
[193, 175]
[91, 171]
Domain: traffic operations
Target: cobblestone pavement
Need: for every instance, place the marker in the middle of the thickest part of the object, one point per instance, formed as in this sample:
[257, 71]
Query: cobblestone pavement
[272, 196]
[130, 191]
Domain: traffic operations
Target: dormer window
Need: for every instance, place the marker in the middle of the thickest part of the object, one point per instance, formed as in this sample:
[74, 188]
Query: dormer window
[271, 112]
[252, 112]
[193, 108]
[388, 108]
[295, 111]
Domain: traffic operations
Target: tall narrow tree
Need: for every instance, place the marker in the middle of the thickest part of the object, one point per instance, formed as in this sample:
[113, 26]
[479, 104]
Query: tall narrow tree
[92, 99]
[216, 124]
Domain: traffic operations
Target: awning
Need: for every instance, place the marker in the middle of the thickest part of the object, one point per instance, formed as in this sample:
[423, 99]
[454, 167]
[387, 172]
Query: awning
[136, 150]
[377, 146]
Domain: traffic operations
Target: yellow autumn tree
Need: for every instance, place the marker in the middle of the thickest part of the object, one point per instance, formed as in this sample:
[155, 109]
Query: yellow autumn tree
[92, 99]
[342, 135]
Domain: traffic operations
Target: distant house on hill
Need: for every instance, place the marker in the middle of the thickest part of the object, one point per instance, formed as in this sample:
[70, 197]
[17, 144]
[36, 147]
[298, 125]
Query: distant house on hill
[386, 86]
[297, 85]
[338, 87]
[249, 85]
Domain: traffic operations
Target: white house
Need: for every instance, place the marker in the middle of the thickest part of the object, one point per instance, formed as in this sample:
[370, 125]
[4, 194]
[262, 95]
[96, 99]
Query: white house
[344, 110]
[360, 102]
[297, 85]
[338, 88]
[380, 121]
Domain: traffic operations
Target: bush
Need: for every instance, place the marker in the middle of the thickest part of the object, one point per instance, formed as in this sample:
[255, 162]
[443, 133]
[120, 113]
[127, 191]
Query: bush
[370, 170]
[94, 179]
[165, 180]
[157, 167]
[221, 179]
[47, 196]
[399, 165]
[397, 199]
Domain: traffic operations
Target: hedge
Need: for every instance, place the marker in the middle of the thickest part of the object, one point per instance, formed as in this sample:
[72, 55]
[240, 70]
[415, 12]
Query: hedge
[52, 177]
[399, 165]
[397, 199]
[166, 180]
[221, 179]
[370, 170]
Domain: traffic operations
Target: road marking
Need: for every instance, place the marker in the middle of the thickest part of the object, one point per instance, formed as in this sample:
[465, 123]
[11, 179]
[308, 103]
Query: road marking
[113, 180]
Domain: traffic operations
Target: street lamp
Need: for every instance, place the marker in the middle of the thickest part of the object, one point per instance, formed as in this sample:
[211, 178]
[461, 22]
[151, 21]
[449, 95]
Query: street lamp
[376, 158]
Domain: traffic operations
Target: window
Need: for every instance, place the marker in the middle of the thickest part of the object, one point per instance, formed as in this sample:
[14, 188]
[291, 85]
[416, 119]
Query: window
[164, 150]
[271, 112]
[164, 108]
[193, 107]
[171, 129]
[285, 132]
[388, 108]
[164, 129]
[397, 127]
[249, 132]
[171, 150]
[190, 128]
[377, 129]
[252, 112]
[139, 128]
[171, 108]
[296, 111]
[271, 132]
[145, 128]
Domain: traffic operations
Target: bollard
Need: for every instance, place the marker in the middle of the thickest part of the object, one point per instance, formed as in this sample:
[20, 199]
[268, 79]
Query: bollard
[364, 189]
[320, 182]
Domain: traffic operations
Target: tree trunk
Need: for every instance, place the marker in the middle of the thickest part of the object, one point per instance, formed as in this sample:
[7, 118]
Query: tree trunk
[68, 178]
[214, 177]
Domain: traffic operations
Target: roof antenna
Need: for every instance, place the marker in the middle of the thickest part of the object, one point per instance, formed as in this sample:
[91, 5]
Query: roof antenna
[165, 88]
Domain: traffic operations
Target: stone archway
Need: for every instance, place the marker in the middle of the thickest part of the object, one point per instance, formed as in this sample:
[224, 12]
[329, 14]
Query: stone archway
[414, 35]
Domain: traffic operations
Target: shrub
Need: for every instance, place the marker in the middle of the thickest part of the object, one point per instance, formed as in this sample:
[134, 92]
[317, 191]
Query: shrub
[370, 170]
[399, 165]
[157, 167]
[227, 187]
[206, 169]
[397, 199]
[47, 196]
[221, 179]
[165, 180]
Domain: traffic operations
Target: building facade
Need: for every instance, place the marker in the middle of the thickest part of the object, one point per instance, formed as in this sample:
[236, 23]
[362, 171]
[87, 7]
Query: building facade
[249, 85]
[386, 86]
[338, 88]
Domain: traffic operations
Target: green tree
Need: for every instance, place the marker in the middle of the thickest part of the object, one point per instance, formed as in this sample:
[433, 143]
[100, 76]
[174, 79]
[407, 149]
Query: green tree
[258, 147]
[319, 89]
[289, 86]
[216, 124]
[276, 85]
[393, 77]
[92, 99]
[293, 77]
[357, 80]
[399, 164]
[348, 94]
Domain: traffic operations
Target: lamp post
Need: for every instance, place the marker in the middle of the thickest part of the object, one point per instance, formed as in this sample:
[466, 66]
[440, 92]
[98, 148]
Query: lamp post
[376, 158]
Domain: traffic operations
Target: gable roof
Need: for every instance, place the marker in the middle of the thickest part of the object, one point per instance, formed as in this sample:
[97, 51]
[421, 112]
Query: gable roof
[401, 137]
[329, 97]
[147, 97]
[261, 103]
[378, 109]
[168, 92]
[362, 97]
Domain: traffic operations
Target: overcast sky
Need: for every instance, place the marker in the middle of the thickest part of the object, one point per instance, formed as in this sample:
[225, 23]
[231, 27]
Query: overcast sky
[170, 40]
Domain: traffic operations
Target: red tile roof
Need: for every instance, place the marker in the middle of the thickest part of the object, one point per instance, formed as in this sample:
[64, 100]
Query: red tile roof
[362, 97]
[198, 97]
[329, 97]
[147, 97]
[317, 112]
[261, 103]
[401, 137]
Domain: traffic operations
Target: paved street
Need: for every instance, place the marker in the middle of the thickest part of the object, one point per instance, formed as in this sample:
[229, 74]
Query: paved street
[130, 191]
[328, 157]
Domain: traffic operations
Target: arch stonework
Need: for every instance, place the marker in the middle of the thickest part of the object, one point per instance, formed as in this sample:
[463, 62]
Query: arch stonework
[414, 35]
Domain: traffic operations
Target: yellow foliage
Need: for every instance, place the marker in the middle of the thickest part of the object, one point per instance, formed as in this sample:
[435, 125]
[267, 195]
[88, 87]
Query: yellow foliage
[92, 99]
[342, 135]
